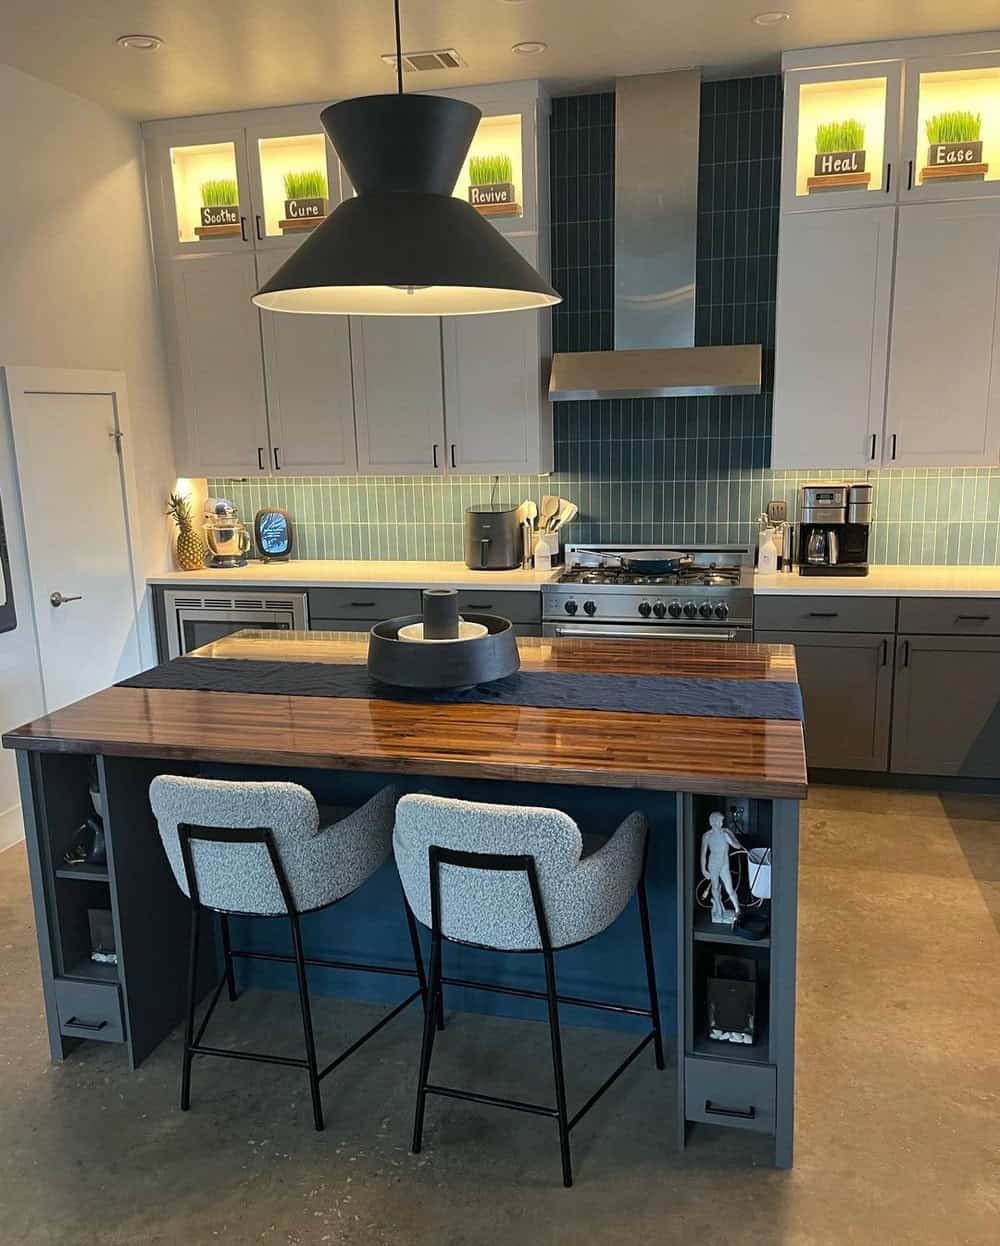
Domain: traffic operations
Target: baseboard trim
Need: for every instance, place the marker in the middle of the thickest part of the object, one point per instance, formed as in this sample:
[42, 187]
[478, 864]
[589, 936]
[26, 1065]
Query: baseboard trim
[11, 827]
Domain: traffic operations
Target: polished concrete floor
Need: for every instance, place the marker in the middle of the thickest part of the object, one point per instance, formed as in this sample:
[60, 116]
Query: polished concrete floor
[898, 1137]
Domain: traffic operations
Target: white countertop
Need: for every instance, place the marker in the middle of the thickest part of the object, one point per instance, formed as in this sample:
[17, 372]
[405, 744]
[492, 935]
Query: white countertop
[320, 573]
[890, 581]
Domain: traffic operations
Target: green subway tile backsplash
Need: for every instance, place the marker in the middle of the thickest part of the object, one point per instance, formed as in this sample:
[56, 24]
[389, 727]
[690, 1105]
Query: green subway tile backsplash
[651, 470]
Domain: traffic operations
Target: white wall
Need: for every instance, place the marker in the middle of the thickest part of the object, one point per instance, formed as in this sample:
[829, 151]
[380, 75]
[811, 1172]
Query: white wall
[77, 290]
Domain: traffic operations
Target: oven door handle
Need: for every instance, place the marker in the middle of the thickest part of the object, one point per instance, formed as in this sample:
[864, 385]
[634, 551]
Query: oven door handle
[609, 632]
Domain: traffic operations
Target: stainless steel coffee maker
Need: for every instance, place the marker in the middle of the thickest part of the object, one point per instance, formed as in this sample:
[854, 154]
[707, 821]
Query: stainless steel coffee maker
[834, 528]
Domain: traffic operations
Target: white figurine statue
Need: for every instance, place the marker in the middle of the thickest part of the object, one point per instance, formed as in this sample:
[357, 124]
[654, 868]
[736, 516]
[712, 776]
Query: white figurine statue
[715, 845]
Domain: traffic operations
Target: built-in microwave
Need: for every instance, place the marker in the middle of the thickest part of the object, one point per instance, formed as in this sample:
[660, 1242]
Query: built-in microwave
[194, 619]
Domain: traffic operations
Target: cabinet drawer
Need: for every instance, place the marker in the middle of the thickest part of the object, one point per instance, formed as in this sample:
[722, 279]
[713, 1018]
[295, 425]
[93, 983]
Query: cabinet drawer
[726, 1092]
[950, 616]
[373, 604]
[825, 614]
[90, 1010]
[518, 606]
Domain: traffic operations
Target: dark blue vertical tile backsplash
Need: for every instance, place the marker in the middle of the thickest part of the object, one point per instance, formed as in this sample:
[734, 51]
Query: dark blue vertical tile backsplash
[652, 470]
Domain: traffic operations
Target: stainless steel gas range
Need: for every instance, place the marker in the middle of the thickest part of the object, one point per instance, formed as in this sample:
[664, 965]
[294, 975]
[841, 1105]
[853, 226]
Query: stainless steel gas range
[709, 597]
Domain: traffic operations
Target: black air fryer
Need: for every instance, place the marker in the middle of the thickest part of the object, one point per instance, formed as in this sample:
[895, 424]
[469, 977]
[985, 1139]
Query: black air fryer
[493, 540]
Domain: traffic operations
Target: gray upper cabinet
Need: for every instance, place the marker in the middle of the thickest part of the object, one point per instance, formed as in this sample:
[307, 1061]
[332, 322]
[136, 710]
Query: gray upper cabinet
[398, 394]
[946, 717]
[214, 344]
[832, 334]
[944, 372]
[846, 681]
[310, 399]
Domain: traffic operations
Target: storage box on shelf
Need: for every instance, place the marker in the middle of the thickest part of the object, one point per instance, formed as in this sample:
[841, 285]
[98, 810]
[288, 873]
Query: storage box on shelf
[886, 314]
[267, 394]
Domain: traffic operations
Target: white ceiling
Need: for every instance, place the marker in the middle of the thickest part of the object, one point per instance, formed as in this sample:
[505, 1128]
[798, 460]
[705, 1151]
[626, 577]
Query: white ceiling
[231, 54]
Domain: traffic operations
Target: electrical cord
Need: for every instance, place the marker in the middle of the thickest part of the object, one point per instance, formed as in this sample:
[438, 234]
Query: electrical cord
[703, 890]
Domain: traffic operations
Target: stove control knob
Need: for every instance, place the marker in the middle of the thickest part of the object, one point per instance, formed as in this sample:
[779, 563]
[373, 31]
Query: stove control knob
[570, 607]
[590, 607]
[722, 611]
[659, 609]
[645, 609]
[705, 609]
[690, 610]
[674, 609]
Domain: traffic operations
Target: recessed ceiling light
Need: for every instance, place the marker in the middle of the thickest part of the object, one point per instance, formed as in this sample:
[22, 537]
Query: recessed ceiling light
[531, 48]
[141, 43]
[773, 18]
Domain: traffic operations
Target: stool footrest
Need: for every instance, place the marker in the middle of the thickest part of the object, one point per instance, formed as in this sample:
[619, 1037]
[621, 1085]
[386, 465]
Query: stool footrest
[259, 1057]
[448, 1092]
[285, 959]
[349, 1051]
[611, 1080]
[574, 1001]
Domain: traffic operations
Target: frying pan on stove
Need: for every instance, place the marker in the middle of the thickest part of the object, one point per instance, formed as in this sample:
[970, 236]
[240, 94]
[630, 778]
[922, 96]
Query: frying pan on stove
[654, 561]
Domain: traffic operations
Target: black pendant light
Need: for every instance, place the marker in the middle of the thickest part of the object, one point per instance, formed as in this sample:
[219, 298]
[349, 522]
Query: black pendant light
[404, 245]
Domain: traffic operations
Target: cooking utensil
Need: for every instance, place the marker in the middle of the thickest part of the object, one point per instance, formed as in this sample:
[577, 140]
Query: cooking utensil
[567, 512]
[550, 508]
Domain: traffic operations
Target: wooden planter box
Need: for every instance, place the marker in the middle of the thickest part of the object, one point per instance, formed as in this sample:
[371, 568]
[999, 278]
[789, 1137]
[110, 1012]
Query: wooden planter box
[495, 199]
[303, 214]
[955, 160]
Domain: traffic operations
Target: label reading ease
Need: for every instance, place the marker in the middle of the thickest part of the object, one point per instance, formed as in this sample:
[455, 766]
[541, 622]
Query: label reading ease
[305, 209]
[224, 214]
[832, 162]
[947, 155]
[495, 192]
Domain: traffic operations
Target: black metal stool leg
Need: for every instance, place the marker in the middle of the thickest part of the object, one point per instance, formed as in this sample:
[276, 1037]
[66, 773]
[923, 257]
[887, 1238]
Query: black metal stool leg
[227, 951]
[647, 948]
[191, 1001]
[557, 1066]
[307, 1027]
[427, 1046]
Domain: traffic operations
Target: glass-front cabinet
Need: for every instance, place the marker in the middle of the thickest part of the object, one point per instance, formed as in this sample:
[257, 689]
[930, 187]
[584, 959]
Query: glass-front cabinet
[295, 173]
[204, 190]
[841, 129]
[951, 131]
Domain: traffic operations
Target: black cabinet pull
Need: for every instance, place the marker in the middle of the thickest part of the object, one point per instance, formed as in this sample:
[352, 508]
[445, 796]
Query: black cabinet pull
[434, 454]
[888, 175]
[909, 177]
[872, 455]
[360, 605]
[905, 653]
[243, 228]
[973, 618]
[453, 463]
[260, 236]
[893, 452]
[823, 614]
[277, 465]
[478, 605]
[260, 457]
[743, 1114]
[86, 1025]
[885, 652]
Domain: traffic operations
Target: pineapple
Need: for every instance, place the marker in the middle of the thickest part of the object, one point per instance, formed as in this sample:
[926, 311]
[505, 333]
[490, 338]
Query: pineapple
[190, 547]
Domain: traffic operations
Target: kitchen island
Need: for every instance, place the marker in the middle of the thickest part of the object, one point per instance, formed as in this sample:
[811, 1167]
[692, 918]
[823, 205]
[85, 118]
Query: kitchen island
[594, 764]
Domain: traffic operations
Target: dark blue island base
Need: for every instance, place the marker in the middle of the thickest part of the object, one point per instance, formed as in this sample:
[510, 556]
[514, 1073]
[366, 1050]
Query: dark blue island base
[140, 1000]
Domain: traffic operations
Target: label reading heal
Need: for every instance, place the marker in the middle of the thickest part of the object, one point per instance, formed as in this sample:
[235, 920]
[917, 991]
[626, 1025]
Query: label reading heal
[829, 163]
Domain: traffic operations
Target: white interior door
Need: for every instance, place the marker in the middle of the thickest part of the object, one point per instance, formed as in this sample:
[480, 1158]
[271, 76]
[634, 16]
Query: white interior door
[74, 488]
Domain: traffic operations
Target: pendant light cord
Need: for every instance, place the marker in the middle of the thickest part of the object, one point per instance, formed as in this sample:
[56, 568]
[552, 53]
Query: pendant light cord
[399, 51]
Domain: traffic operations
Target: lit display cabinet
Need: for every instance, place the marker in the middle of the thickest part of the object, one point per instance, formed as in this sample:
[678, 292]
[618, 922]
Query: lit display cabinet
[492, 178]
[841, 129]
[204, 191]
[951, 132]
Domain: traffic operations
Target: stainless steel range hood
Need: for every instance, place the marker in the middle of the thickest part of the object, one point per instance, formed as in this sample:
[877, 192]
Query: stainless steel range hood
[656, 226]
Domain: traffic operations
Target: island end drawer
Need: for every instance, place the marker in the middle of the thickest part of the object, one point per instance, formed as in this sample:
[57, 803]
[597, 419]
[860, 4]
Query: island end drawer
[90, 1010]
[824, 614]
[373, 604]
[726, 1092]
[517, 605]
[950, 616]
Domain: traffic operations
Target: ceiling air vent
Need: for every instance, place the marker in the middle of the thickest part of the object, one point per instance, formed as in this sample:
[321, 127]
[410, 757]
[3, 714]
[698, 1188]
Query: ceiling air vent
[437, 58]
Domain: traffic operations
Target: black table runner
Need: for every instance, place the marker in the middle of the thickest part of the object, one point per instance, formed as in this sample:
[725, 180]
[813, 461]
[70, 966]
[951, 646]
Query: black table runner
[636, 694]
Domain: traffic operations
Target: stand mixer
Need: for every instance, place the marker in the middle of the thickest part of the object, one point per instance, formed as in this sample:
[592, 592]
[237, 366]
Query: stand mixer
[226, 536]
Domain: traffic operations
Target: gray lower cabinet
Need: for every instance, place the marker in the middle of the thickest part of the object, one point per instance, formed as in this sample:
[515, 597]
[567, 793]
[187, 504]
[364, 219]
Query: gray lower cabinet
[846, 681]
[946, 717]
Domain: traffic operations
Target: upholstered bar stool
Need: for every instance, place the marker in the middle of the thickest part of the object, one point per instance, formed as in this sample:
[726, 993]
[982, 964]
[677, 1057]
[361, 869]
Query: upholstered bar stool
[516, 879]
[262, 849]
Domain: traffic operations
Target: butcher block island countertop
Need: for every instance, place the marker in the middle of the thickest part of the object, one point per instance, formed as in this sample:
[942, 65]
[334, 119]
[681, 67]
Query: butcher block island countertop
[752, 757]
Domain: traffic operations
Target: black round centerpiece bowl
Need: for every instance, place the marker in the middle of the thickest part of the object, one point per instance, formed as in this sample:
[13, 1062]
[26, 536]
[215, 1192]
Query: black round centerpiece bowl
[453, 664]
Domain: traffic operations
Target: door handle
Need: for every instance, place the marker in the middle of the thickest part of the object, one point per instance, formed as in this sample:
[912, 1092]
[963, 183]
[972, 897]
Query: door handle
[892, 454]
[888, 175]
[277, 465]
[743, 1114]
[86, 1025]
[361, 605]
[57, 599]
[243, 228]
[909, 177]
[904, 653]
[260, 236]
[453, 463]
[260, 458]
[874, 443]
[823, 614]
[885, 652]
[972, 618]
[434, 454]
